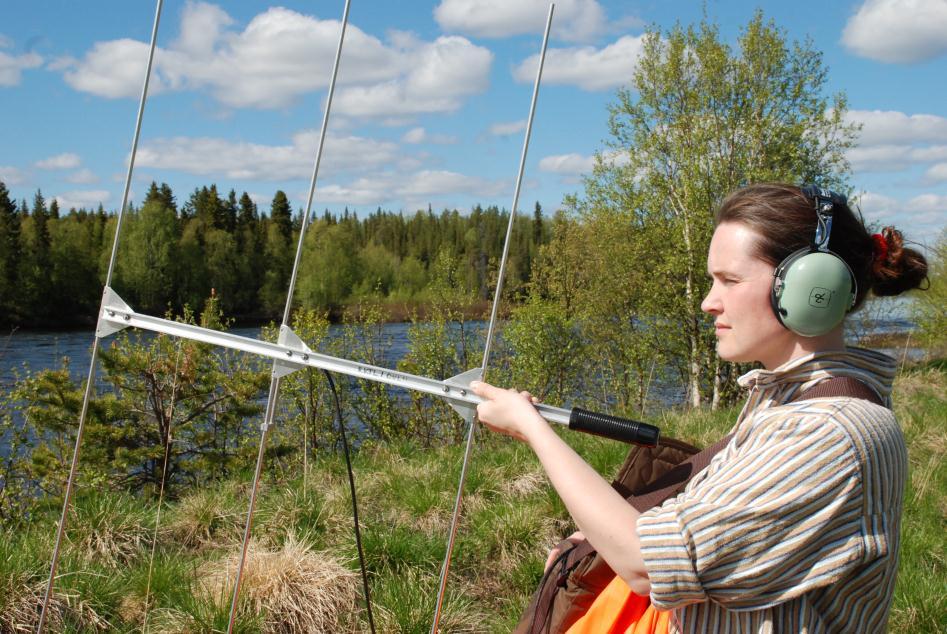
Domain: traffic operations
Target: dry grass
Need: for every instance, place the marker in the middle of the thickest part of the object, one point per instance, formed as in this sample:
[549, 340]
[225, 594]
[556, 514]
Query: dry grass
[909, 385]
[404, 604]
[23, 610]
[110, 531]
[294, 588]
[524, 485]
[113, 544]
[202, 520]
[434, 522]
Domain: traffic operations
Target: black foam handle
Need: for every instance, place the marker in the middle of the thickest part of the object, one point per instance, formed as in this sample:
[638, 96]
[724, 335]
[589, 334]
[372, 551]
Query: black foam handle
[614, 427]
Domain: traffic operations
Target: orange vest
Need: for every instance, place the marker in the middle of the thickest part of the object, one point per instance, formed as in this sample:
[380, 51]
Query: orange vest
[618, 610]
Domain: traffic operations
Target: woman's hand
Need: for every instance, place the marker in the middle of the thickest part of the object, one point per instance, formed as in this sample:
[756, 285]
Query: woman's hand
[575, 538]
[507, 411]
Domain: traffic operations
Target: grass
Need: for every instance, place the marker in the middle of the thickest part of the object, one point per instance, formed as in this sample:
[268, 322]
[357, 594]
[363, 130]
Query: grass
[302, 571]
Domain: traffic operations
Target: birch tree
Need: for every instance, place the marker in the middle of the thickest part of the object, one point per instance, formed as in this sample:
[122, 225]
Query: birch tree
[700, 119]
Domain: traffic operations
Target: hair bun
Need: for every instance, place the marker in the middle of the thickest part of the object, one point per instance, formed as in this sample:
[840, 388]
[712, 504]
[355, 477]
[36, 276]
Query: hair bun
[896, 268]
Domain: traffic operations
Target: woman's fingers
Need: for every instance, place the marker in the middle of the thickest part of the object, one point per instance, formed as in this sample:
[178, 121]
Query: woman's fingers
[505, 411]
[554, 553]
[575, 538]
[484, 389]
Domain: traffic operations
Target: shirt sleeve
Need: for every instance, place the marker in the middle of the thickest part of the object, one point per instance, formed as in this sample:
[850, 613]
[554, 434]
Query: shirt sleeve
[775, 515]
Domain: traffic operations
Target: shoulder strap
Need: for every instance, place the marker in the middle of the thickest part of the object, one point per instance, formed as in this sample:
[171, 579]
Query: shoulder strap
[841, 386]
[672, 482]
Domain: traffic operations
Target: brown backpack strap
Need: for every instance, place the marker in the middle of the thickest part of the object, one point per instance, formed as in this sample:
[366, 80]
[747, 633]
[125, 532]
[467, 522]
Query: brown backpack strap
[841, 386]
[672, 482]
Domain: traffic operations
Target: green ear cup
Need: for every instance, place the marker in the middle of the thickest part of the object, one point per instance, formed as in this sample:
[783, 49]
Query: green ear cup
[812, 292]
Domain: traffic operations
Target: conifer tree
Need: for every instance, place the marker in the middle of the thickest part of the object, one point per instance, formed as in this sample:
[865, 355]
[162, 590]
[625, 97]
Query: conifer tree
[9, 254]
[281, 214]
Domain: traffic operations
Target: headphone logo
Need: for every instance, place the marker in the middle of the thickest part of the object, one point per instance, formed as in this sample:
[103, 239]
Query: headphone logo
[820, 297]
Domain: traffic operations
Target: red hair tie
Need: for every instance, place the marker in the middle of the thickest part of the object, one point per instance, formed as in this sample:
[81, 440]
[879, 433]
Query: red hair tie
[881, 247]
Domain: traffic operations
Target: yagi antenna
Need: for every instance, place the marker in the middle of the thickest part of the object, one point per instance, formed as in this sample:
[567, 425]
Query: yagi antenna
[290, 353]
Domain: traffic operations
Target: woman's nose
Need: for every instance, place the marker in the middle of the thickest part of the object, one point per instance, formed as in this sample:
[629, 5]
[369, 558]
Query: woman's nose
[711, 303]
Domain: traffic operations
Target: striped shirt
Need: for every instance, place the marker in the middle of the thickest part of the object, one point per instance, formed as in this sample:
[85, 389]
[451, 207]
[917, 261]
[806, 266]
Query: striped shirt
[794, 526]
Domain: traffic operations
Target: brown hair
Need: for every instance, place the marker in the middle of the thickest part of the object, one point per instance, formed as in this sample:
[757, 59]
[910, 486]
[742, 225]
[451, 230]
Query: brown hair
[785, 220]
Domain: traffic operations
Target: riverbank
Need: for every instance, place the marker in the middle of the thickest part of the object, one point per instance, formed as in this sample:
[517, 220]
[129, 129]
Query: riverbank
[303, 565]
[392, 312]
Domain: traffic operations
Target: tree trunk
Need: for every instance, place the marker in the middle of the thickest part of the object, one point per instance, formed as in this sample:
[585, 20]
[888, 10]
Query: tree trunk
[715, 400]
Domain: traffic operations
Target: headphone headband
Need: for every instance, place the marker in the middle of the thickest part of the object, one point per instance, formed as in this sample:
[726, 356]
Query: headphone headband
[824, 201]
[814, 193]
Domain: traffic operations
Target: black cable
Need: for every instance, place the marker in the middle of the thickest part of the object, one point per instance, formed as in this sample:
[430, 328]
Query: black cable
[358, 534]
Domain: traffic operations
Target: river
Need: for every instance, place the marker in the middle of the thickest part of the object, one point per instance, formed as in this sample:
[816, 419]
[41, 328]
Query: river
[42, 350]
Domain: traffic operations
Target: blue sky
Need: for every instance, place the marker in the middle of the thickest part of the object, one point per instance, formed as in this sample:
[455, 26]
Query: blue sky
[431, 102]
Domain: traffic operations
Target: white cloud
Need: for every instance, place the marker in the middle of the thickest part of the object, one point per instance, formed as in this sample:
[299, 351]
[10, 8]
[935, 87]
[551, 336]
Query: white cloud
[88, 199]
[574, 20]
[84, 176]
[64, 161]
[441, 75]
[891, 126]
[587, 67]
[898, 31]
[930, 203]
[420, 135]
[427, 183]
[507, 128]
[412, 189]
[414, 135]
[111, 69]
[886, 158]
[281, 55]
[918, 218]
[936, 173]
[248, 161]
[570, 164]
[12, 66]
[895, 141]
[11, 175]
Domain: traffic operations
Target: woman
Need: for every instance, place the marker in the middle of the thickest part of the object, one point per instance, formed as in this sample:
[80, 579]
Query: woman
[793, 527]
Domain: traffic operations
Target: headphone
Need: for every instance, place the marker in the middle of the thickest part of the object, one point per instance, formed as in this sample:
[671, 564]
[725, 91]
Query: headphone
[814, 288]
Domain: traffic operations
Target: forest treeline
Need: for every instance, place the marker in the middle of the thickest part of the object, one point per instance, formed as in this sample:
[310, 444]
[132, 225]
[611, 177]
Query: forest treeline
[53, 264]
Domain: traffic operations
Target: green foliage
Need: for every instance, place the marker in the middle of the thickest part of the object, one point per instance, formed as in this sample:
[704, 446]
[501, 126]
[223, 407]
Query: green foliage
[148, 258]
[16, 447]
[547, 355]
[698, 120]
[9, 251]
[363, 339]
[52, 264]
[921, 406]
[930, 306]
[511, 517]
[308, 420]
[181, 395]
[442, 345]
[330, 269]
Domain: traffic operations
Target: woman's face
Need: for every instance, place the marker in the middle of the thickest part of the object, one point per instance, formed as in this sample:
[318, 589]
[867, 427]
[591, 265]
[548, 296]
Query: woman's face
[739, 300]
